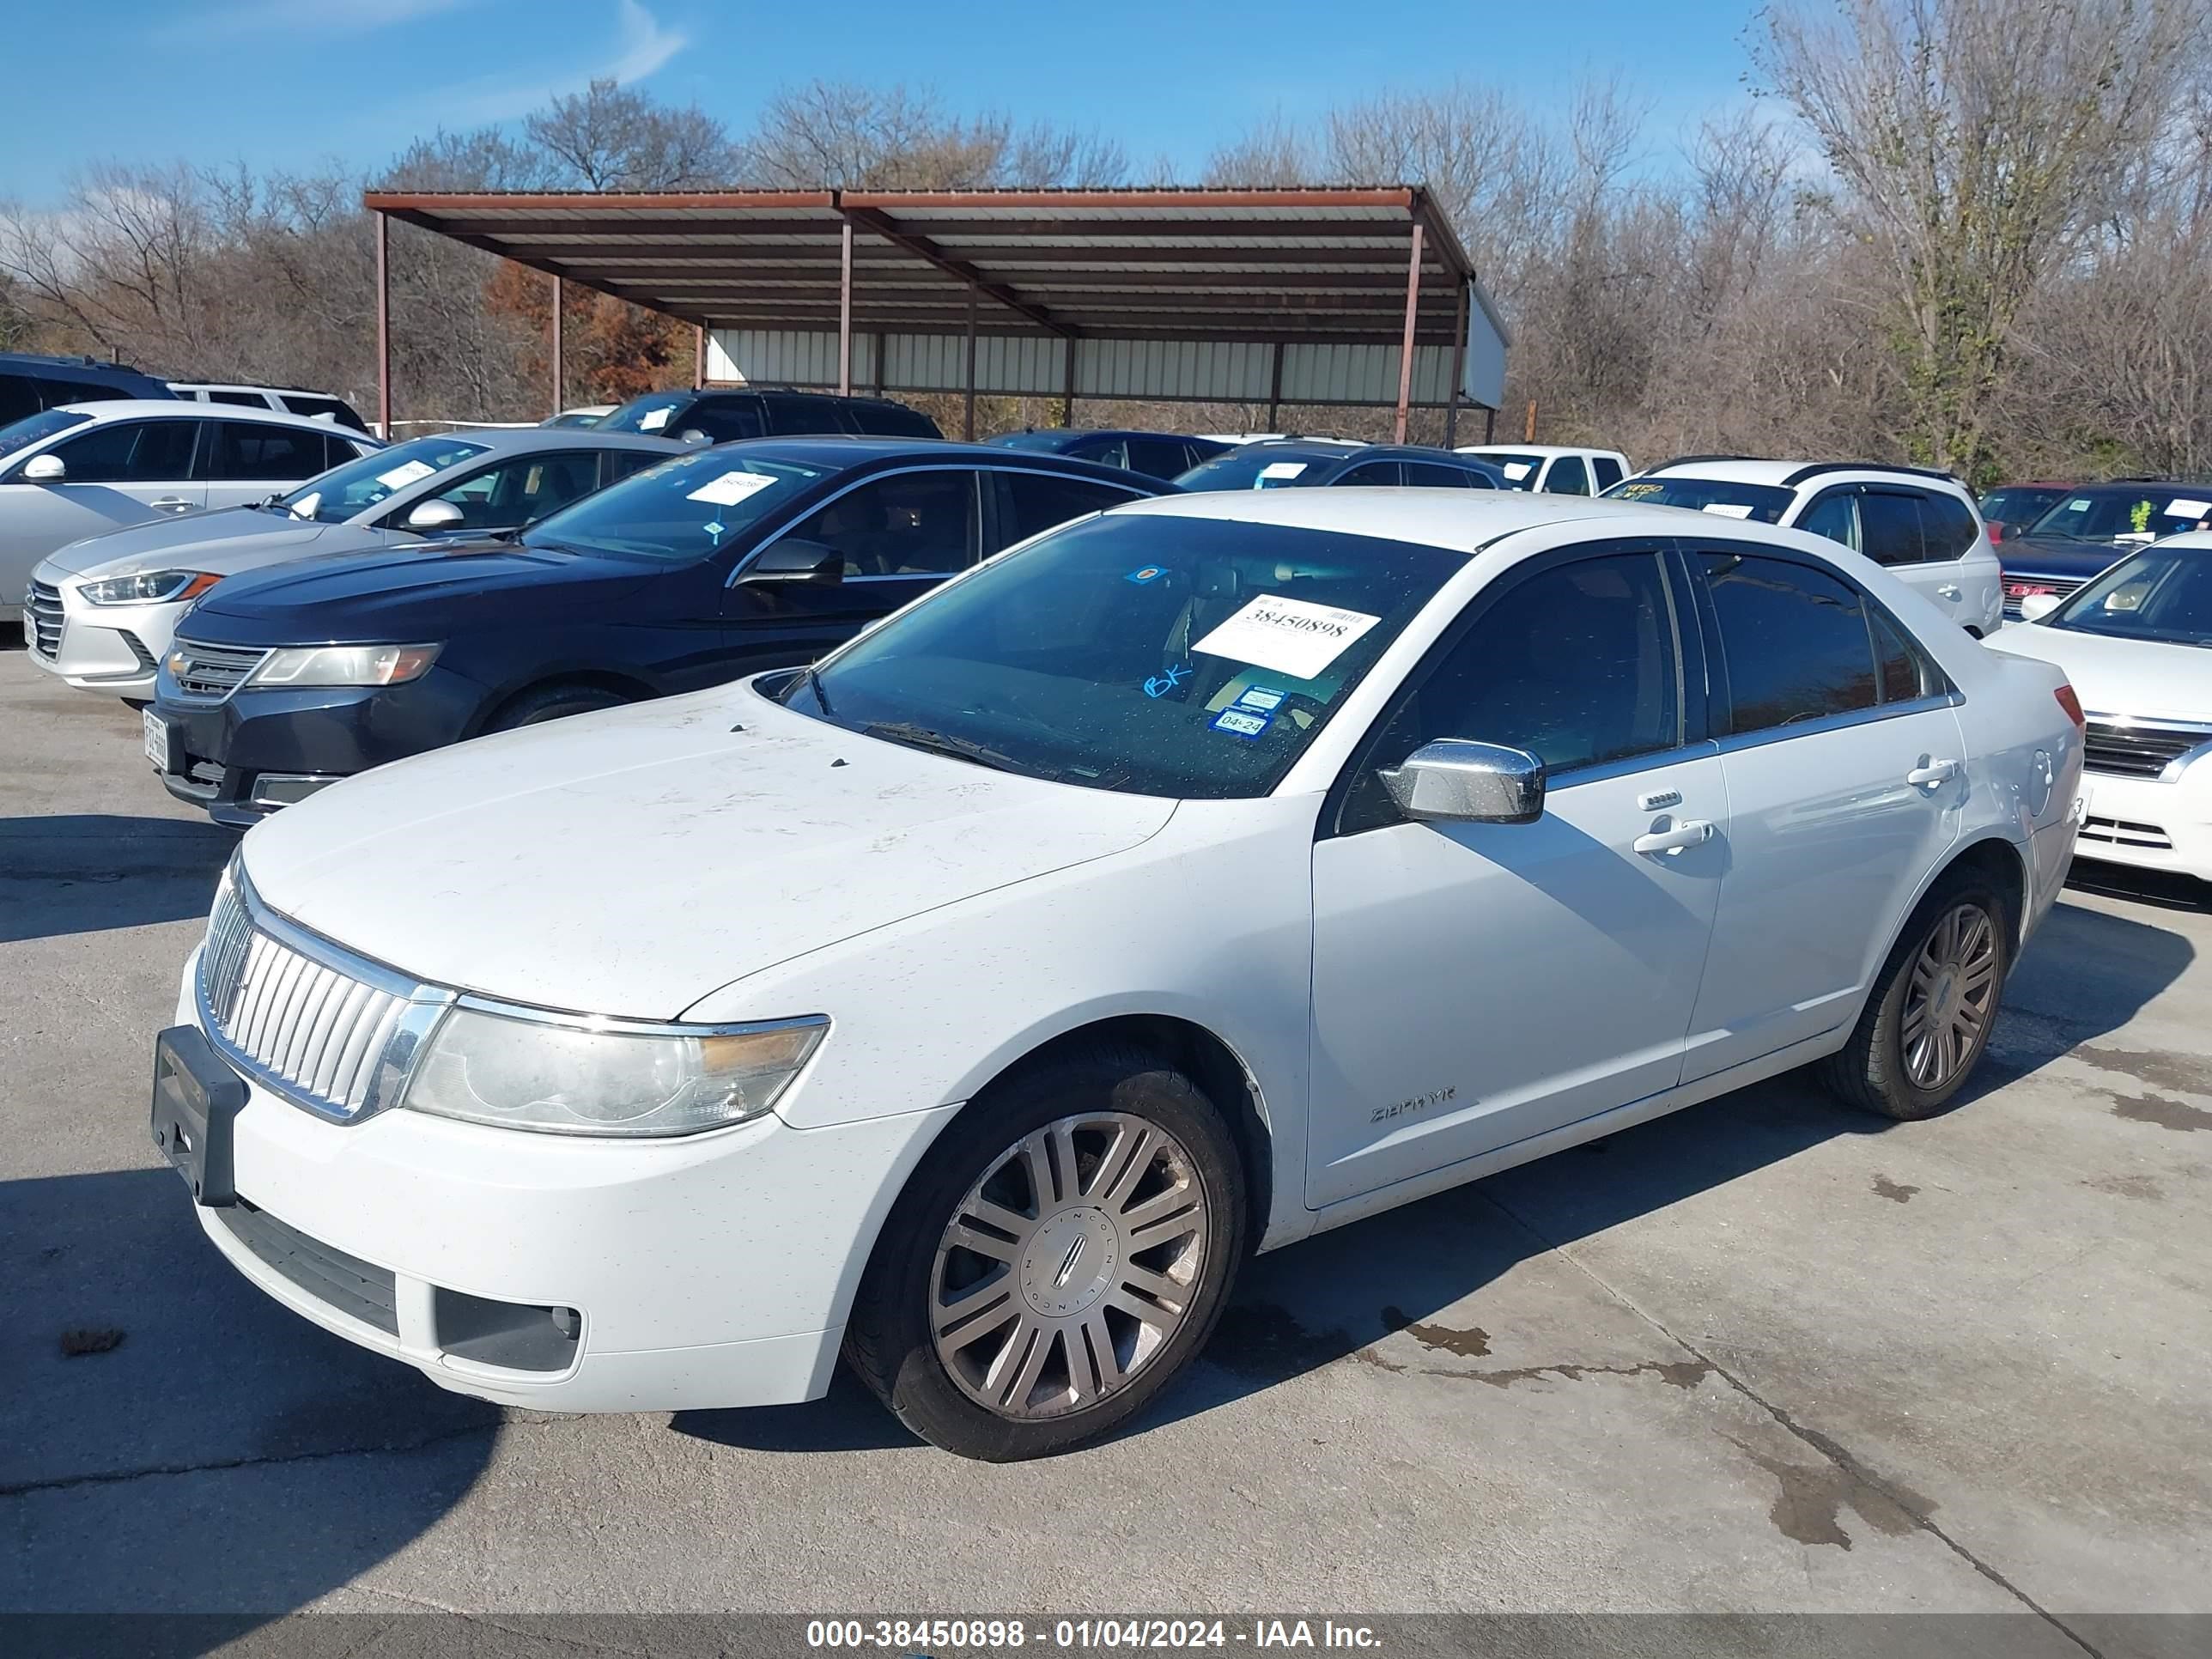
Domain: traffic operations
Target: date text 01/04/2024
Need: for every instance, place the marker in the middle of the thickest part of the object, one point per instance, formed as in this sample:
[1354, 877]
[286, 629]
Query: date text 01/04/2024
[919, 1637]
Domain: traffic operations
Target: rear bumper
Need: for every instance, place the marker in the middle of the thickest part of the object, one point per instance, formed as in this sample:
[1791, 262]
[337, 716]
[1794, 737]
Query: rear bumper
[2147, 824]
[222, 752]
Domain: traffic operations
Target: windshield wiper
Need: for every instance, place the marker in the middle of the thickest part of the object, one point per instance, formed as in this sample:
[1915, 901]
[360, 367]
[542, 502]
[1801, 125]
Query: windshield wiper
[940, 742]
[813, 681]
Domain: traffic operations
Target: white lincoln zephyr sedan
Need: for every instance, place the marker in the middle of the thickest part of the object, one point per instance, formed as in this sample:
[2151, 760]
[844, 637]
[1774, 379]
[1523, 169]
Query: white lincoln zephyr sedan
[1191, 878]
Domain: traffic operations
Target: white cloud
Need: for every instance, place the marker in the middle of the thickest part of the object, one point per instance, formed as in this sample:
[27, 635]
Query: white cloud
[325, 17]
[641, 47]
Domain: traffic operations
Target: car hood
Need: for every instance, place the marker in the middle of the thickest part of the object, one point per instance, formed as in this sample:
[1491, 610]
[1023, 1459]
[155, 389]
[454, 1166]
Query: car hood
[2054, 556]
[430, 588]
[631, 862]
[227, 543]
[2143, 679]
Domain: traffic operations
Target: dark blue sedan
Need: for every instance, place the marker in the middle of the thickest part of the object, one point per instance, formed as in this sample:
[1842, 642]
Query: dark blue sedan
[1281, 463]
[1156, 455]
[715, 564]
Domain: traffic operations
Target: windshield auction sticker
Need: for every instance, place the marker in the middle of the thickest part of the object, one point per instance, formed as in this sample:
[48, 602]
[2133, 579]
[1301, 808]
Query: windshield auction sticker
[731, 488]
[404, 474]
[1290, 636]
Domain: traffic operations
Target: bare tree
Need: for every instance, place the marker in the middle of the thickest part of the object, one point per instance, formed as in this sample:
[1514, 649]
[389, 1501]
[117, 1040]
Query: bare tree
[834, 135]
[1977, 140]
[612, 138]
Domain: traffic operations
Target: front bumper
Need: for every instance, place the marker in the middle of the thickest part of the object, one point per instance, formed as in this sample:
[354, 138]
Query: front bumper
[2149, 824]
[112, 649]
[219, 751]
[708, 1272]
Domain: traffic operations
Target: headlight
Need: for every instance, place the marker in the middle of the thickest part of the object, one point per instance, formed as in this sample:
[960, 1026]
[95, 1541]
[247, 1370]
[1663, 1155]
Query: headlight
[147, 587]
[346, 664]
[603, 1078]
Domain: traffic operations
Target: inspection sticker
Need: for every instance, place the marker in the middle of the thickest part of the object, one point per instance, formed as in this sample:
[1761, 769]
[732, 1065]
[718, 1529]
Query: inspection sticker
[1150, 573]
[1238, 724]
[653, 419]
[2182, 508]
[1292, 636]
[1265, 699]
[1518, 470]
[1727, 509]
[731, 488]
[404, 474]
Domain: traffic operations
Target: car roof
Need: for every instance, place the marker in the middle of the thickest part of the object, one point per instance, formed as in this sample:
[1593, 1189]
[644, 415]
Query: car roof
[242, 386]
[840, 454]
[523, 441]
[186, 409]
[1464, 521]
[2132, 486]
[1787, 475]
[1535, 449]
[1071, 433]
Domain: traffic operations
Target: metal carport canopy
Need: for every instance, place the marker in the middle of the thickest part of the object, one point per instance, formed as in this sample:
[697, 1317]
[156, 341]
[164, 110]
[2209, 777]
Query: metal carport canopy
[1311, 295]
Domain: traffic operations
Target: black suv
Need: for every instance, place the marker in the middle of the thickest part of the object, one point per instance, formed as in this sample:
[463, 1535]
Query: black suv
[727, 416]
[711, 565]
[1158, 454]
[29, 385]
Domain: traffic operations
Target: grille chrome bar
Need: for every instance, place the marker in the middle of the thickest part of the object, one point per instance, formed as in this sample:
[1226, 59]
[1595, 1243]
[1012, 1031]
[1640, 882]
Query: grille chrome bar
[210, 673]
[42, 620]
[2141, 749]
[329, 1030]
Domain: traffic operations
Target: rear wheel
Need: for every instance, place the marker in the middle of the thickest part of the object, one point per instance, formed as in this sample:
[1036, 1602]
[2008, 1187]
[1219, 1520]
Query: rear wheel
[1058, 1258]
[1928, 1022]
[553, 703]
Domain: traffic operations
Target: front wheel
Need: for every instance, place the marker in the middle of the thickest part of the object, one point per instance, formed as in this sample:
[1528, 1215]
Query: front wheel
[1928, 1020]
[553, 703]
[1060, 1256]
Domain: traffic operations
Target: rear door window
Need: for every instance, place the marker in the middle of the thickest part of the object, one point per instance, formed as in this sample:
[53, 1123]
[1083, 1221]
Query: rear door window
[1432, 475]
[1794, 641]
[1156, 458]
[248, 452]
[1033, 501]
[1948, 527]
[792, 414]
[1890, 529]
[1607, 471]
[131, 451]
[1369, 472]
[616, 464]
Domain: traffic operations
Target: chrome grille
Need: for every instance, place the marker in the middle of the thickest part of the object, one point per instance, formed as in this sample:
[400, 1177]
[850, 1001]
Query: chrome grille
[211, 672]
[334, 1033]
[42, 620]
[2017, 588]
[2138, 751]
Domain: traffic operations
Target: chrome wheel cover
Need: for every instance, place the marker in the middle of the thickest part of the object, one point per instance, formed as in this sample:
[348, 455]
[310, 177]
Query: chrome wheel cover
[1070, 1265]
[1951, 997]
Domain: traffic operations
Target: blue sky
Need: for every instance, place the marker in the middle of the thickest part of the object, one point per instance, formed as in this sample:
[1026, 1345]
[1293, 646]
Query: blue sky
[294, 82]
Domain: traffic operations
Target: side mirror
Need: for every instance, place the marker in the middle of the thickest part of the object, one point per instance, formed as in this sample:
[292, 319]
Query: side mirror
[2036, 606]
[434, 517]
[43, 468]
[1453, 780]
[792, 560]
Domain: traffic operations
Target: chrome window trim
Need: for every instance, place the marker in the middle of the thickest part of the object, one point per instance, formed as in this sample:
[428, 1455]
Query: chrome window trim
[1880, 711]
[1648, 760]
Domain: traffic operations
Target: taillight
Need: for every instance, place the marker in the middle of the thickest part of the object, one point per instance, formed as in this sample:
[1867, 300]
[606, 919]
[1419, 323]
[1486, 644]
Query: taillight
[2072, 705]
[1996, 529]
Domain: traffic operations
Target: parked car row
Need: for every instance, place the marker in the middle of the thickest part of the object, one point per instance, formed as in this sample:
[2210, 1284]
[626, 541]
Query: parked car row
[2082, 529]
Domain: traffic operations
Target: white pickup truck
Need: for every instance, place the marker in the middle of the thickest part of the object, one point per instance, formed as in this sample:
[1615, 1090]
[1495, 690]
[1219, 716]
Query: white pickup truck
[1554, 469]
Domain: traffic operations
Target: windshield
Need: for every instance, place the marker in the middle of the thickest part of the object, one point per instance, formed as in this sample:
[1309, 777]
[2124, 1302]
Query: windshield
[1269, 466]
[651, 413]
[21, 435]
[1520, 471]
[1150, 654]
[2018, 504]
[1050, 443]
[346, 492]
[1765, 503]
[680, 510]
[2161, 593]
[2120, 514]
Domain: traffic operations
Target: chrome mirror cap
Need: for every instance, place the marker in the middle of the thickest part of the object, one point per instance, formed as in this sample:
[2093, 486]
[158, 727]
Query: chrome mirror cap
[1454, 781]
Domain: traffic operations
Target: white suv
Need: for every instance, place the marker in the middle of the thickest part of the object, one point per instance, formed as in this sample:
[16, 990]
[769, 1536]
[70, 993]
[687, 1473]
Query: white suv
[1553, 469]
[1923, 525]
[78, 471]
[1193, 878]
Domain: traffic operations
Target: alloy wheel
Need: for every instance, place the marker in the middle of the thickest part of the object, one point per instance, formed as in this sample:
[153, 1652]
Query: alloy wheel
[1070, 1265]
[1953, 992]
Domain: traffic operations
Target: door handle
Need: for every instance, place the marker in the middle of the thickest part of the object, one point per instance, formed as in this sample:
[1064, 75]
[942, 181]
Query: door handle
[171, 504]
[1932, 774]
[1690, 832]
[1949, 592]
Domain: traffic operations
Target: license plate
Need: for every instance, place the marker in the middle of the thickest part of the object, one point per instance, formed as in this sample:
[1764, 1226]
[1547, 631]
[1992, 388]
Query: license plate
[196, 1097]
[157, 741]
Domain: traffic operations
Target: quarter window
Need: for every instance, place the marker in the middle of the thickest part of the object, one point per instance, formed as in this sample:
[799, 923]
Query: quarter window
[1031, 502]
[1432, 475]
[246, 451]
[911, 524]
[1793, 641]
[131, 451]
[1607, 471]
[1156, 458]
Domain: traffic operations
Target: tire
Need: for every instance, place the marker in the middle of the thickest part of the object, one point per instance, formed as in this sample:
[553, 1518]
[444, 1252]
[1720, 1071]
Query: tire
[1893, 1064]
[553, 703]
[1056, 1279]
